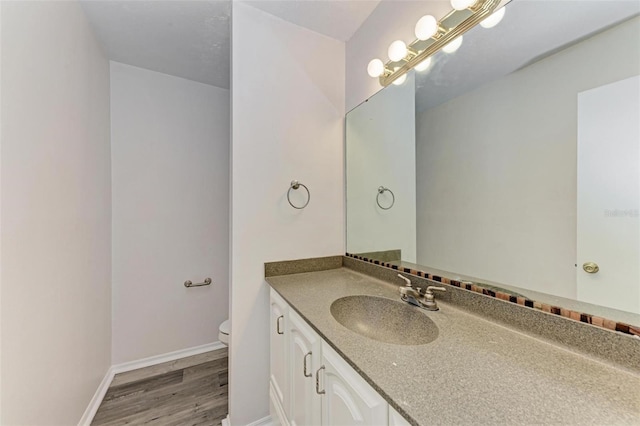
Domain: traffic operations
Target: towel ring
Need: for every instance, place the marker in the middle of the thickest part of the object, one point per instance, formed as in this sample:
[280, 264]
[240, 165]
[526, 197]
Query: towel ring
[381, 190]
[295, 185]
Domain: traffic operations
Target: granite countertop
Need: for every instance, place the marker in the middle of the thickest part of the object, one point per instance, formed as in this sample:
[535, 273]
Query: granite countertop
[475, 372]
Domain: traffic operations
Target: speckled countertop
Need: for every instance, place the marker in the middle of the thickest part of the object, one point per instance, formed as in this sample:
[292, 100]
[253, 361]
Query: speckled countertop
[475, 372]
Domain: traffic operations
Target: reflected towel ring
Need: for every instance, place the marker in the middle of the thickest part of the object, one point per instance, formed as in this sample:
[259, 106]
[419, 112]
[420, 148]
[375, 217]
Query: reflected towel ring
[381, 190]
[295, 185]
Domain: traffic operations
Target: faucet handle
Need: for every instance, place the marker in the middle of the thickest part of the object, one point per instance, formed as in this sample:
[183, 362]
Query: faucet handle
[407, 280]
[408, 291]
[429, 300]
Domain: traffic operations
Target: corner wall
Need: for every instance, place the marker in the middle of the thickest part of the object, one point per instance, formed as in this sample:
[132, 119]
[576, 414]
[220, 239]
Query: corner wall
[170, 157]
[55, 214]
[287, 123]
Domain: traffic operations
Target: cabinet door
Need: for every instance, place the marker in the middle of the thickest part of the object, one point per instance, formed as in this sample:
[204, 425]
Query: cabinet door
[279, 361]
[347, 399]
[304, 360]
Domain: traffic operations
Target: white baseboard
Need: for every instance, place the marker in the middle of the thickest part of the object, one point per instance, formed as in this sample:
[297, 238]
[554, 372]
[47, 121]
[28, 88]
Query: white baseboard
[265, 421]
[170, 356]
[95, 402]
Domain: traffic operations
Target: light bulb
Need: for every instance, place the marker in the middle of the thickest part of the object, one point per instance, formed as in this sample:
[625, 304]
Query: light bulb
[375, 68]
[424, 65]
[397, 50]
[398, 81]
[426, 27]
[493, 19]
[453, 45]
[462, 4]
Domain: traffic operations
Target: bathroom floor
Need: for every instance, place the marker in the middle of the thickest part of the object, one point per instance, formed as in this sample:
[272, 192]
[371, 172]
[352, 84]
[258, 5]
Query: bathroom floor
[188, 391]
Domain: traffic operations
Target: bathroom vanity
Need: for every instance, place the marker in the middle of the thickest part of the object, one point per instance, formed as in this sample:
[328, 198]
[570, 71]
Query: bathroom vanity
[508, 174]
[470, 371]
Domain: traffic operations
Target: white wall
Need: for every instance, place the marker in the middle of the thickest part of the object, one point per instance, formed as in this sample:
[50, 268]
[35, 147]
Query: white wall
[56, 214]
[1, 118]
[170, 157]
[288, 111]
[391, 20]
[381, 151]
[497, 194]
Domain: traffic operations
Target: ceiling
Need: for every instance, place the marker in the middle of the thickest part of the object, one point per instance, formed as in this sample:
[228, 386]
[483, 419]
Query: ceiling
[338, 19]
[189, 39]
[192, 39]
[530, 31]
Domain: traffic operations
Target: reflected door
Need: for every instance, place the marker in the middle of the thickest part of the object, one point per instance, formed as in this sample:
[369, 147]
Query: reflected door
[608, 246]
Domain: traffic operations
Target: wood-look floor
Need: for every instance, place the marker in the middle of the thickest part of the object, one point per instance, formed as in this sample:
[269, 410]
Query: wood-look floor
[186, 392]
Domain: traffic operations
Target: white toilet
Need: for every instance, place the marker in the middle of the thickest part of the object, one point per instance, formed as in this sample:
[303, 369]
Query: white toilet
[223, 332]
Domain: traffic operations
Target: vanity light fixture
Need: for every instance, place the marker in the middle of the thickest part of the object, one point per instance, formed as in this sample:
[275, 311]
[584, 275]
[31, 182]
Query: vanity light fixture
[397, 50]
[494, 19]
[462, 4]
[423, 66]
[426, 27]
[453, 45]
[433, 35]
[400, 80]
[375, 68]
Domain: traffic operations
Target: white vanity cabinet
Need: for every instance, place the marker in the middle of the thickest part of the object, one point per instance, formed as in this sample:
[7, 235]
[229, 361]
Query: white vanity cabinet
[279, 386]
[346, 398]
[311, 385]
[304, 359]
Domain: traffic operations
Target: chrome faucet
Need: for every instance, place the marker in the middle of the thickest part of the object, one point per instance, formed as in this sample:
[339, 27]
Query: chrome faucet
[414, 296]
[407, 293]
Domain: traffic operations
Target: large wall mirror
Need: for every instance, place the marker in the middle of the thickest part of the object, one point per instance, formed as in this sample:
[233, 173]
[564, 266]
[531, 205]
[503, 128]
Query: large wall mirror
[514, 162]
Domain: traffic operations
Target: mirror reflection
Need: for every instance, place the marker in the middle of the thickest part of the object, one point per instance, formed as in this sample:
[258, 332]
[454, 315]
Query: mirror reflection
[513, 162]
